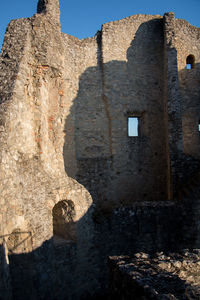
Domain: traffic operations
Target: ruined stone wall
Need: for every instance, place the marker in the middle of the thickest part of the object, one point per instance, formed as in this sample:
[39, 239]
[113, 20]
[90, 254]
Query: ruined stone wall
[161, 276]
[33, 178]
[64, 109]
[133, 86]
[33, 134]
[122, 76]
[82, 100]
[183, 142]
[187, 43]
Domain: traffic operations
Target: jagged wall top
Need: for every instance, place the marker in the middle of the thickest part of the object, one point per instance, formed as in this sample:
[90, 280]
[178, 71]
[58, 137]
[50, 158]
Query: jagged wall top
[50, 8]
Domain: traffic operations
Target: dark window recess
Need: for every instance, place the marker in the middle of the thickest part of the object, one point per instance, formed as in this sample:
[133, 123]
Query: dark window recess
[64, 227]
[133, 124]
[190, 62]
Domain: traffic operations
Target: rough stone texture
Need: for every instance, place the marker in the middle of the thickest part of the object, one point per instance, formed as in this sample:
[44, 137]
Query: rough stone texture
[33, 178]
[162, 276]
[108, 162]
[51, 9]
[74, 187]
[187, 39]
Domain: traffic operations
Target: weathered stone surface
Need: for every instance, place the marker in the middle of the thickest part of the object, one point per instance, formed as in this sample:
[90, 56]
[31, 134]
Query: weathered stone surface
[50, 8]
[162, 276]
[74, 187]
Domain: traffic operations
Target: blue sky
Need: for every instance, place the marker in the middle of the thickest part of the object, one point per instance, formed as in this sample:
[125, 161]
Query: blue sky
[83, 18]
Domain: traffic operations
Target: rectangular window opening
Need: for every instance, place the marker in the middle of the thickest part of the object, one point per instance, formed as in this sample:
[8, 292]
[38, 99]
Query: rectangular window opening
[133, 126]
[199, 126]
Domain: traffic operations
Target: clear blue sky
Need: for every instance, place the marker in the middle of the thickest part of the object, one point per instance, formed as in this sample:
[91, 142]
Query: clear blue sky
[83, 18]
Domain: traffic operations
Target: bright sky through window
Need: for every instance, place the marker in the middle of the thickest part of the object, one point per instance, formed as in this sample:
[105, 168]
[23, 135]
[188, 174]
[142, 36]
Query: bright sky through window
[132, 126]
[188, 67]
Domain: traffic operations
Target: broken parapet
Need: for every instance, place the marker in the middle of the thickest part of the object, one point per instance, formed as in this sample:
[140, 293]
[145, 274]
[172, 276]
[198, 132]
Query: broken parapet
[159, 277]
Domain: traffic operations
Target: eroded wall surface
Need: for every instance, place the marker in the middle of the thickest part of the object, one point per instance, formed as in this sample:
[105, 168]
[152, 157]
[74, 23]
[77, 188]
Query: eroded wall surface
[187, 40]
[122, 77]
[33, 178]
[165, 275]
[68, 167]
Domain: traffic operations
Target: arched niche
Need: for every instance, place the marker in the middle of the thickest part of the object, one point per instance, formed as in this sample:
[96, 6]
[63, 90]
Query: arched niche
[190, 62]
[64, 225]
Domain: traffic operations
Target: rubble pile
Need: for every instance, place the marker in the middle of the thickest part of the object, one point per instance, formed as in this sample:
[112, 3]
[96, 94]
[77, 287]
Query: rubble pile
[160, 276]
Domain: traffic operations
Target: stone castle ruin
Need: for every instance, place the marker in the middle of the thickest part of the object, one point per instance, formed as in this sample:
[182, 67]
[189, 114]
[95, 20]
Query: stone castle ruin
[76, 185]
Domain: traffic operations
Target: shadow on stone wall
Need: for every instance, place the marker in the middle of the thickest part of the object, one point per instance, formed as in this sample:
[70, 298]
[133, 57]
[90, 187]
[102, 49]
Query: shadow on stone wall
[78, 270]
[190, 92]
[137, 171]
[156, 277]
[110, 165]
[106, 92]
[54, 270]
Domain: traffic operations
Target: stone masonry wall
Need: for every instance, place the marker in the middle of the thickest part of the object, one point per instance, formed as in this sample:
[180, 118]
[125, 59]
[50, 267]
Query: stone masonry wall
[66, 158]
[115, 84]
[132, 54]
[161, 276]
[187, 41]
[33, 178]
